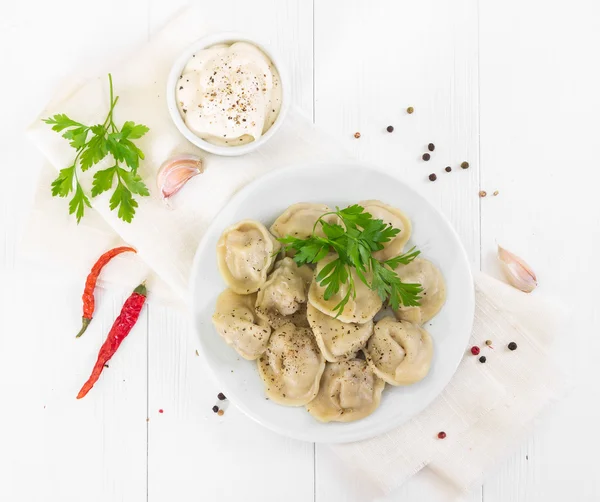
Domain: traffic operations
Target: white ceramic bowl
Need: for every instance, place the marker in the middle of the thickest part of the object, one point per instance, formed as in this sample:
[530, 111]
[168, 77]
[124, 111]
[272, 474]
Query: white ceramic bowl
[204, 43]
[335, 184]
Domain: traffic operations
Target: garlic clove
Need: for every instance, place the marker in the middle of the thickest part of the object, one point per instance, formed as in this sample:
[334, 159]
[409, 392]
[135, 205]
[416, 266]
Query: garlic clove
[176, 172]
[517, 272]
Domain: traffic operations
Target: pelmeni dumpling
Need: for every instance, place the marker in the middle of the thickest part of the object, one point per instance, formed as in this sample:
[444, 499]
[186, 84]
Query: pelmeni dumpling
[394, 217]
[246, 253]
[292, 366]
[358, 310]
[349, 391]
[399, 352]
[433, 296]
[338, 340]
[236, 322]
[298, 220]
[284, 293]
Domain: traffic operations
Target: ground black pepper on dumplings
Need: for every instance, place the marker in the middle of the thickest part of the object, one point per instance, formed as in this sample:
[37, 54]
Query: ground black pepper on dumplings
[275, 313]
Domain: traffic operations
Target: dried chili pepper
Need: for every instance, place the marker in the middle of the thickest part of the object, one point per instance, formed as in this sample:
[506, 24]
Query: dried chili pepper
[90, 285]
[120, 329]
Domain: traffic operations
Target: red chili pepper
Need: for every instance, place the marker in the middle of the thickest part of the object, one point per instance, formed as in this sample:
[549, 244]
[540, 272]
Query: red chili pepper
[90, 285]
[120, 329]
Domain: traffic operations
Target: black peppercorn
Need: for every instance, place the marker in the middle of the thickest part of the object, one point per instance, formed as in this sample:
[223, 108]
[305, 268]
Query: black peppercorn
[426, 156]
[390, 129]
[465, 165]
[482, 359]
[215, 409]
[221, 396]
[431, 147]
[432, 177]
[512, 346]
[448, 169]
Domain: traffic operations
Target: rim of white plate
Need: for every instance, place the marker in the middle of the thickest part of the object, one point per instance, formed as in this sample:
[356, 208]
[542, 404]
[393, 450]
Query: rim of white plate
[349, 435]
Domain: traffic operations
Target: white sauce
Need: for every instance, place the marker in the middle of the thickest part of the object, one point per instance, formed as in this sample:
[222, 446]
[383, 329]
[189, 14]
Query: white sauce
[229, 95]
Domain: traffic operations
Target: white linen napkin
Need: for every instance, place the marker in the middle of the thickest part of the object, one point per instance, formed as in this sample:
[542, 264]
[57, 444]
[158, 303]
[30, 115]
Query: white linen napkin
[166, 240]
[485, 408]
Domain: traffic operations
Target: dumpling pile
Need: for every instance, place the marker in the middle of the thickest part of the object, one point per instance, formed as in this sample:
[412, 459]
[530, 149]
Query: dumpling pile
[275, 313]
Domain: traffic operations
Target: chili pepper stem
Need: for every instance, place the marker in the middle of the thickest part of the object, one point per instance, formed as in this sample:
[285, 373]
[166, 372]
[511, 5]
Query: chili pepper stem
[86, 323]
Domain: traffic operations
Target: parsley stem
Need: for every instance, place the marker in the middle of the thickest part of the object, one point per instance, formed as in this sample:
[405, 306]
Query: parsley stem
[321, 220]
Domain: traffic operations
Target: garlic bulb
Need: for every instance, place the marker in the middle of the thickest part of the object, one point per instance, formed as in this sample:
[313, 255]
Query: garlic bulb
[517, 272]
[176, 172]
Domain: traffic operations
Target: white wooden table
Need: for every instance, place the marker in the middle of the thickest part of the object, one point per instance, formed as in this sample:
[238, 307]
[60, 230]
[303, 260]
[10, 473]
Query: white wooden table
[512, 87]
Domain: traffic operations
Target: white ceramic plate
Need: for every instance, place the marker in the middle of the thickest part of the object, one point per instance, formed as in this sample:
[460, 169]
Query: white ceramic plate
[339, 184]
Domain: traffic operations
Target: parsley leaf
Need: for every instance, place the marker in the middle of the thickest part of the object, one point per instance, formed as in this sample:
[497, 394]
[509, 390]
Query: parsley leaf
[106, 138]
[133, 131]
[103, 180]
[94, 152]
[77, 136]
[63, 184]
[78, 203]
[123, 199]
[354, 242]
[134, 182]
[60, 121]
[403, 259]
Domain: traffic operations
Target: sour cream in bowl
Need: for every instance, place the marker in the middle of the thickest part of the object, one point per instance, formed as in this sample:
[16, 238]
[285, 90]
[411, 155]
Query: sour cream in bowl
[227, 94]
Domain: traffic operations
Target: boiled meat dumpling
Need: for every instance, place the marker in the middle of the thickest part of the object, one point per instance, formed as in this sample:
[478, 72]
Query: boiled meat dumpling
[394, 217]
[349, 391]
[358, 310]
[284, 294]
[236, 322]
[298, 220]
[433, 296]
[399, 352]
[338, 340]
[292, 366]
[246, 253]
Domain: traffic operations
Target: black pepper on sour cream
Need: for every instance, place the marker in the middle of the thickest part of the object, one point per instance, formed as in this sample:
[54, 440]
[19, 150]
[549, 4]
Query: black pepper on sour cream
[231, 94]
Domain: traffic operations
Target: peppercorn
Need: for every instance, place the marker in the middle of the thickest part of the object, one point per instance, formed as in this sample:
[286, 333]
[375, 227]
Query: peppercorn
[432, 177]
[512, 346]
[426, 156]
[431, 147]
[488, 342]
[221, 396]
[441, 435]
[465, 165]
[390, 129]
[410, 109]
[483, 193]
[357, 135]
[482, 359]
[475, 350]
[215, 409]
[220, 413]
[496, 192]
[448, 169]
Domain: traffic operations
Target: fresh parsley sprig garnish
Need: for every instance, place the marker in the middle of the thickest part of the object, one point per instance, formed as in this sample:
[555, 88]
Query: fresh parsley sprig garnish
[354, 242]
[104, 139]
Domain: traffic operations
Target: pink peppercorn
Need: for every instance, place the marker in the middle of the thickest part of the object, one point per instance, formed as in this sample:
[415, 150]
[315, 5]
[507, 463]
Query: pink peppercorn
[475, 350]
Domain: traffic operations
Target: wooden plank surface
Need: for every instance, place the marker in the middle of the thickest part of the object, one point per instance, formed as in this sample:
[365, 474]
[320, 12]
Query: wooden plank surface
[516, 81]
[54, 447]
[539, 124]
[377, 61]
[192, 453]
